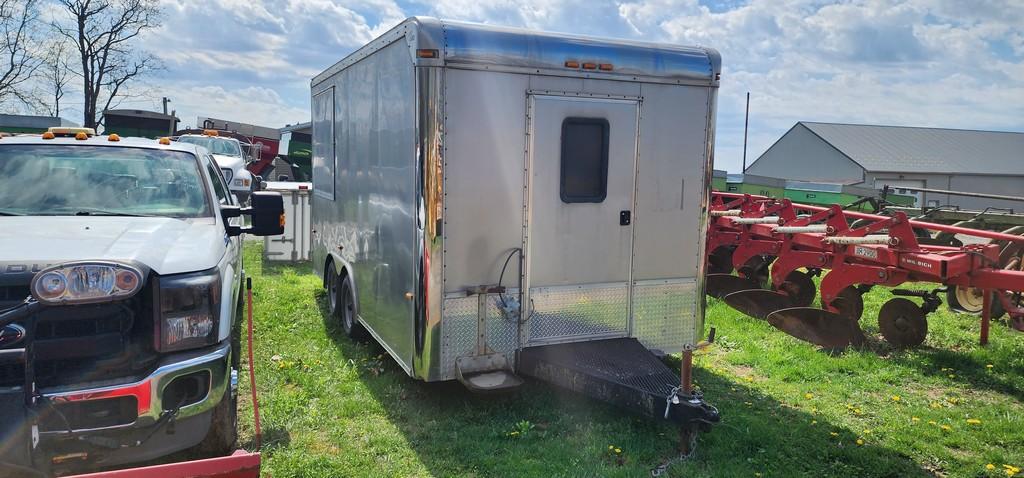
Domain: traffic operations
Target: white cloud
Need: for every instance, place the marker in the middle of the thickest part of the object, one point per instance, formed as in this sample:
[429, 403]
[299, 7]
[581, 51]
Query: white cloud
[916, 62]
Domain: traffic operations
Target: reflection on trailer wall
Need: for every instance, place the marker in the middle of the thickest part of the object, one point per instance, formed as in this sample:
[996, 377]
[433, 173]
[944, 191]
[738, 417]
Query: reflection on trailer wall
[371, 212]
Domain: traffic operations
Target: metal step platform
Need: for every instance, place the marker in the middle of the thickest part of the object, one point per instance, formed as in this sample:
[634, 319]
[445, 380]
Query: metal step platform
[622, 372]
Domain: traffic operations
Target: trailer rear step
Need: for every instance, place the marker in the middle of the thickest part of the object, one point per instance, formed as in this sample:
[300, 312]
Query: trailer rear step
[486, 373]
[622, 372]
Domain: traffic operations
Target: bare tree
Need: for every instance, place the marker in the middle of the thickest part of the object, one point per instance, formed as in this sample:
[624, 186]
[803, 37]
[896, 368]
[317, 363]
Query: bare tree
[54, 76]
[103, 31]
[18, 65]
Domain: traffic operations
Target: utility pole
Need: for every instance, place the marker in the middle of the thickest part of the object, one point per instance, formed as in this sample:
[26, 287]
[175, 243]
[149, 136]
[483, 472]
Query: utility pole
[746, 123]
[168, 100]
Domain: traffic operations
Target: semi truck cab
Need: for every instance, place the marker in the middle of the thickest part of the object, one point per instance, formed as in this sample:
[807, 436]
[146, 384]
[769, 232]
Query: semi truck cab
[120, 278]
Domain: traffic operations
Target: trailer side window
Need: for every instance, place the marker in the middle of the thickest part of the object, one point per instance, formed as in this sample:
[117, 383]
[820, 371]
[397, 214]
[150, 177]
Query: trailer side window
[584, 160]
[324, 158]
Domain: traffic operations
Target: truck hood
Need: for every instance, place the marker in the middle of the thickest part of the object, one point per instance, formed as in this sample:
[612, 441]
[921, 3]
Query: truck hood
[233, 163]
[165, 245]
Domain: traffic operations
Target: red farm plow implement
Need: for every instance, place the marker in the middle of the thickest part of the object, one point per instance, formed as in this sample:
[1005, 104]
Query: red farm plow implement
[764, 253]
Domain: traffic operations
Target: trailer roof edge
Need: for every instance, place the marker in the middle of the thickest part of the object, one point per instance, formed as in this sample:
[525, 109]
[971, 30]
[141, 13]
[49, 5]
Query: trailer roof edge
[468, 45]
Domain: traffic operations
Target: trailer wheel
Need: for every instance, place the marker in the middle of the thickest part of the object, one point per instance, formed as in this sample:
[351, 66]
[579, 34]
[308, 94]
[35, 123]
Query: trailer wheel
[333, 283]
[222, 439]
[347, 311]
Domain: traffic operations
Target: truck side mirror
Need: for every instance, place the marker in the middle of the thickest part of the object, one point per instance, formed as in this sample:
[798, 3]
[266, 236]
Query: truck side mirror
[266, 212]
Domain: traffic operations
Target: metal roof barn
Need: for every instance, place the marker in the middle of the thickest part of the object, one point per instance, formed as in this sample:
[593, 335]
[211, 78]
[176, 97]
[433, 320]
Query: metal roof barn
[898, 156]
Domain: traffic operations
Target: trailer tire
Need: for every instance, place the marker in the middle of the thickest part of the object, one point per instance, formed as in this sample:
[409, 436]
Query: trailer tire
[222, 438]
[346, 304]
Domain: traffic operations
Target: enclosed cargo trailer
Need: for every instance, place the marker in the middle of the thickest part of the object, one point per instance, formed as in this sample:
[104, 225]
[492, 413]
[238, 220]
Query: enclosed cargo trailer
[483, 192]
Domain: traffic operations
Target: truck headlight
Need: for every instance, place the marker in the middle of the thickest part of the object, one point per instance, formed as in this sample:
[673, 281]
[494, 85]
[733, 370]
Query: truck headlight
[189, 310]
[86, 282]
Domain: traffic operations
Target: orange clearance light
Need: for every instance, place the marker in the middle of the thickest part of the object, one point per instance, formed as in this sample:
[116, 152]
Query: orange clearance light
[211, 132]
[113, 137]
[49, 135]
[426, 53]
[81, 136]
[590, 66]
[605, 67]
[280, 219]
[572, 64]
[164, 141]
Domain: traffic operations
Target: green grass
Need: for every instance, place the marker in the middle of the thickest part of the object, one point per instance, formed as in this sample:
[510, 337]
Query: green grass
[334, 408]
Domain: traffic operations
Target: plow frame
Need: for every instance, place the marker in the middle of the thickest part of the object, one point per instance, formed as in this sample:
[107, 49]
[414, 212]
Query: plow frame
[885, 251]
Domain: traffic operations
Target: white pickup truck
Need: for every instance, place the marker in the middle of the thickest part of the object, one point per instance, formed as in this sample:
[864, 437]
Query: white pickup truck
[120, 279]
[230, 158]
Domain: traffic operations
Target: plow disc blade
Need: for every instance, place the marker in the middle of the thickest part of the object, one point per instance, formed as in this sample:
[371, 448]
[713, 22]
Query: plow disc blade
[721, 285]
[758, 303]
[818, 326]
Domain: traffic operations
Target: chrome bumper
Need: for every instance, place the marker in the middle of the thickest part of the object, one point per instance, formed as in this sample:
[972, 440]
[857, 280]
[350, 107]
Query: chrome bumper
[148, 392]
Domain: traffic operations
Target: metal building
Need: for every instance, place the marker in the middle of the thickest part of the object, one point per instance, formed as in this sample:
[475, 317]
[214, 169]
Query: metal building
[872, 156]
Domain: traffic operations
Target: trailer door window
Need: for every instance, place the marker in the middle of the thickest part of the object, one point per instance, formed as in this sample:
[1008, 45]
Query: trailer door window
[324, 158]
[584, 160]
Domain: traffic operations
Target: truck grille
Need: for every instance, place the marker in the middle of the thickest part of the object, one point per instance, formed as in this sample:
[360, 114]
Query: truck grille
[12, 295]
[89, 343]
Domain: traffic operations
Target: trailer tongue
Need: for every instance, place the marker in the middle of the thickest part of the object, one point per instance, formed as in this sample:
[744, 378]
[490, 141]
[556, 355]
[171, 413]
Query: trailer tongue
[624, 373]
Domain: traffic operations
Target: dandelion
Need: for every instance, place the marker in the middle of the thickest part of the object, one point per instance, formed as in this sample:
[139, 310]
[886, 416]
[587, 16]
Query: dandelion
[808, 395]
[935, 405]
[973, 421]
[946, 428]
[757, 474]
[1011, 470]
[990, 467]
[748, 403]
[833, 434]
[896, 398]
[932, 422]
[915, 419]
[750, 379]
[860, 442]
[814, 422]
[867, 431]
[857, 411]
[814, 410]
[952, 375]
[611, 447]
[618, 450]
[989, 366]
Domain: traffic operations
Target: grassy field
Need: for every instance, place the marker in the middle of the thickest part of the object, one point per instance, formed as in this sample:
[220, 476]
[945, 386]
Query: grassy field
[334, 408]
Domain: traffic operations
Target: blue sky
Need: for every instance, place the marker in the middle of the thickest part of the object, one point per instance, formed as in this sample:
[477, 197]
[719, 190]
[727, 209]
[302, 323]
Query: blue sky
[945, 63]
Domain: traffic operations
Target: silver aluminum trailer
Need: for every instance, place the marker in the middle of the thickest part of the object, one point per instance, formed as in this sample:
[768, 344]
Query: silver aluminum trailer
[460, 170]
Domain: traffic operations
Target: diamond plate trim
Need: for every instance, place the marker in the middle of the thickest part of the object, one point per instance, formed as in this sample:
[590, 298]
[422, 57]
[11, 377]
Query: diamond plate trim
[664, 313]
[573, 313]
[458, 330]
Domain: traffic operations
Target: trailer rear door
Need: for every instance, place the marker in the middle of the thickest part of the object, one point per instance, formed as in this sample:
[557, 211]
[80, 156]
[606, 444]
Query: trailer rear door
[582, 169]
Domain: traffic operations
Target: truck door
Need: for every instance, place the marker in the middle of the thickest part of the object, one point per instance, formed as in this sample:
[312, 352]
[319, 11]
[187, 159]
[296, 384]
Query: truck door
[579, 234]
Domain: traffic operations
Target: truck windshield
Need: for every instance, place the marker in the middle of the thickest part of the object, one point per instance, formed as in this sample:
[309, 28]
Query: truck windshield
[225, 147]
[63, 180]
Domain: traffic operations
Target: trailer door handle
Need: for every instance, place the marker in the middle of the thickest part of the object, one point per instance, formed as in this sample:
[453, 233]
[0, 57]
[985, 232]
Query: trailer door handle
[625, 217]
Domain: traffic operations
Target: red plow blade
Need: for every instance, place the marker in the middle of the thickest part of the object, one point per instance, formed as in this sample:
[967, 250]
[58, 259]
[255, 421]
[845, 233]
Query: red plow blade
[241, 464]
